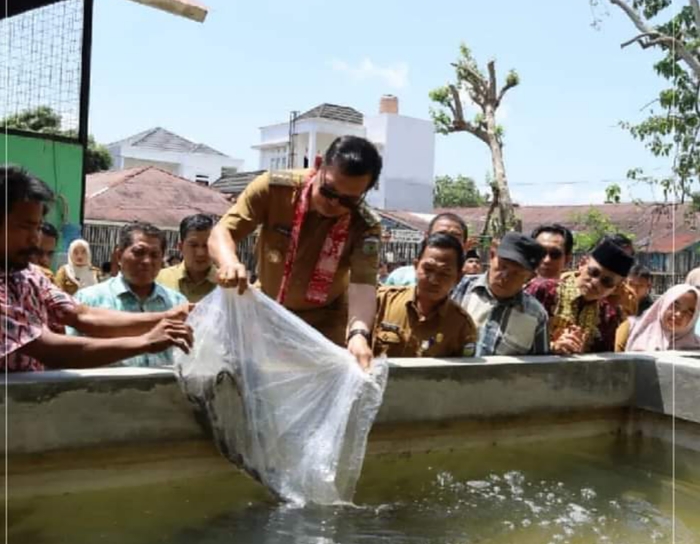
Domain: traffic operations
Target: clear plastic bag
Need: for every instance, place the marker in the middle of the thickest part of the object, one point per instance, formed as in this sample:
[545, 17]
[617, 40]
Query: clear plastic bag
[283, 403]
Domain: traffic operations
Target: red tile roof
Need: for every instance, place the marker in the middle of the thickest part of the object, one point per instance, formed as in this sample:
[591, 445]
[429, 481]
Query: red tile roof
[148, 194]
[657, 228]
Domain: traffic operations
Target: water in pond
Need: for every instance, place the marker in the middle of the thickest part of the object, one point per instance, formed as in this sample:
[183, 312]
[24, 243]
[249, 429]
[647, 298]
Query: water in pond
[603, 490]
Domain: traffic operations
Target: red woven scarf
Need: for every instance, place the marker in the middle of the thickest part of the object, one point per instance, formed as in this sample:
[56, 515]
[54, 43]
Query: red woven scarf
[329, 258]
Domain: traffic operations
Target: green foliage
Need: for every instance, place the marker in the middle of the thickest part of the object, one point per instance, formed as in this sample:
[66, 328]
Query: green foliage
[612, 194]
[591, 226]
[45, 120]
[672, 128]
[458, 192]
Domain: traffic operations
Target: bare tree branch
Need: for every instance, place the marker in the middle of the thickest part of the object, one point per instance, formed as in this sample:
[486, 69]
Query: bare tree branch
[460, 123]
[504, 90]
[492, 79]
[458, 111]
[472, 76]
[639, 37]
[668, 42]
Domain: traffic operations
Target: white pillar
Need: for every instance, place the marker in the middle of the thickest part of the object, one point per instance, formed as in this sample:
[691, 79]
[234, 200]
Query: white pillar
[312, 147]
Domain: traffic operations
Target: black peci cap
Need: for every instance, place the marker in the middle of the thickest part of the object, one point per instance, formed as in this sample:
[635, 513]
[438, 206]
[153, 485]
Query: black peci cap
[522, 249]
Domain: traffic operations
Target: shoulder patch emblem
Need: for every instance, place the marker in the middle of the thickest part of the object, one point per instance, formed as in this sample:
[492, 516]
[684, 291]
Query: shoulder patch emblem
[370, 245]
[368, 215]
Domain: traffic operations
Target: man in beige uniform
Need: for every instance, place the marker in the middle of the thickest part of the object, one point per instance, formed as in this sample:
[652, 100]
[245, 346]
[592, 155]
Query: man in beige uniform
[318, 246]
[195, 276]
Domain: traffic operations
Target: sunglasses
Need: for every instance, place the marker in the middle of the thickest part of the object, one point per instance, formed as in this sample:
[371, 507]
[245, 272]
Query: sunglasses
[349, 202]
[606, 281]
[554, 253]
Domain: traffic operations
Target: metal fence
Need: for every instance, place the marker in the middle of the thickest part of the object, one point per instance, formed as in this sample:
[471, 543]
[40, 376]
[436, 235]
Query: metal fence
[103, 239]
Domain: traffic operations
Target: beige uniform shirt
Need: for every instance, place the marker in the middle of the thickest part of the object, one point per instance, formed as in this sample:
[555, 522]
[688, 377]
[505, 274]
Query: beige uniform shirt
[399, 330]
[269, 203]
[177, 279]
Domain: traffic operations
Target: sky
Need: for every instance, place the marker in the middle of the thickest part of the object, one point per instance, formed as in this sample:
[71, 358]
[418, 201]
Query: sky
[252, 62]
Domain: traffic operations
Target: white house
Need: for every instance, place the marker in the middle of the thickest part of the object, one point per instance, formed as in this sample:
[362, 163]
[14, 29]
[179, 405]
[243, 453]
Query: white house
[172, 153]
[407, 146]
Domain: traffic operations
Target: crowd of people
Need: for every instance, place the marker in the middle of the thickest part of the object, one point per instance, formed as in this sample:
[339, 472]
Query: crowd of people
[318, 254]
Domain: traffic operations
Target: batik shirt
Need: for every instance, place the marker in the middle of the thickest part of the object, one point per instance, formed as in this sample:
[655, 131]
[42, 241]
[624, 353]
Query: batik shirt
[30, 304]
[598, 319]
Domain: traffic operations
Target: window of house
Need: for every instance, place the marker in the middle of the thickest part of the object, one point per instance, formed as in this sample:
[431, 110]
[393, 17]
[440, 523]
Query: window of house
[202, 178]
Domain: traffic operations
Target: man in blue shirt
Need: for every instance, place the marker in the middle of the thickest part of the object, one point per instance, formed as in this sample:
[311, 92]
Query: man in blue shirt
[444, 223]
[140, 255]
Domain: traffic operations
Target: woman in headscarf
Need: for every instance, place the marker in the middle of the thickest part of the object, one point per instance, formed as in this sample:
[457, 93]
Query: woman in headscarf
[668, 325]
[79, 272]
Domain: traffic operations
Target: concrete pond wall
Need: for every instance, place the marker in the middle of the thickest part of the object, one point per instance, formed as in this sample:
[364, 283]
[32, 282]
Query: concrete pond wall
[80, 425]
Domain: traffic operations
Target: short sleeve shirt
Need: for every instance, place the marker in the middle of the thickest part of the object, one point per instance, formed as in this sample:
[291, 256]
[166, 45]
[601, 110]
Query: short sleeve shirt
[400, 331]
[268, 203]
[30, 304]
[177, 279]
[115, 294]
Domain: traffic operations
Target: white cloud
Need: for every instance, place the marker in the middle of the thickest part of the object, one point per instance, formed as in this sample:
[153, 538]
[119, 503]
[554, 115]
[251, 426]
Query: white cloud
[395, 75]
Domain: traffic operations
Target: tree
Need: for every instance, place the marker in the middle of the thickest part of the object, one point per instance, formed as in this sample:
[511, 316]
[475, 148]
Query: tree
[45, 120]
[675, 127]
[591, 226]
[483, 91]
[459, 192]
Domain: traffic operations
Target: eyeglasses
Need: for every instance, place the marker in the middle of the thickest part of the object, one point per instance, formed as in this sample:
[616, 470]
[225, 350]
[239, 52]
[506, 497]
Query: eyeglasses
[327, 191]
[554, 253]
[606, 281]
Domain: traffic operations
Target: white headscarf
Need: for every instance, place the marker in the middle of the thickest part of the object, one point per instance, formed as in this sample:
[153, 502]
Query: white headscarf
[83, 276]
[648, 334]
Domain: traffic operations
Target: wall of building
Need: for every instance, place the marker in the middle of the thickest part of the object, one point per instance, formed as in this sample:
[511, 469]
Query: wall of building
[408, 150]
[128, 162]
[189, 165]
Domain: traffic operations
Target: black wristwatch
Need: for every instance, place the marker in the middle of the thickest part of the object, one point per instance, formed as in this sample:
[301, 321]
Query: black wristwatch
[363, 332]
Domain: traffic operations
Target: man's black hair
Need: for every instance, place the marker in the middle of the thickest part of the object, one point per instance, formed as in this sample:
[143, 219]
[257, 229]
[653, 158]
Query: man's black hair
[443, 241]
[450, 217]
[197, 222]
[640, 271]
[18, 185]
[47, 229]
[355, 157]
[126, 234]
[556, 228]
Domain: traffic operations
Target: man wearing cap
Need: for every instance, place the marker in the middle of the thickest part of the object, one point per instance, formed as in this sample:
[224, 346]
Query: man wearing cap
[510, 322]
[581, 319]
[318, 246]
[472, 263]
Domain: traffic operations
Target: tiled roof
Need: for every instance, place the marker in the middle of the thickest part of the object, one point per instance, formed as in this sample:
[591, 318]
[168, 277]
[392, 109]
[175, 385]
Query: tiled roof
[148, 194]
[234, 184]
[334, 112]
[164, 140]
[657, 228]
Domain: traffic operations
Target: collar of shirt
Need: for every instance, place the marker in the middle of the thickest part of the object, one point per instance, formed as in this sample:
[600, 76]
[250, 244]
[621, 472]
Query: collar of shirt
[482, 283]
[121, 288]
[181, 274]
[440, 311]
